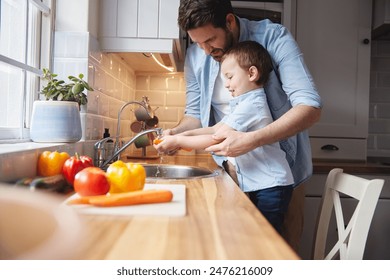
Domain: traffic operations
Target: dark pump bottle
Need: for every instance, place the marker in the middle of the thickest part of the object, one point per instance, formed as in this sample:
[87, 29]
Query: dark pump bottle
[106, 133]
[109, 146]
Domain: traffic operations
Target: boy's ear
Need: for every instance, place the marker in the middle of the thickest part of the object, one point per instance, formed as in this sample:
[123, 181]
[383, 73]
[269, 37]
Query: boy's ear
[254, 74]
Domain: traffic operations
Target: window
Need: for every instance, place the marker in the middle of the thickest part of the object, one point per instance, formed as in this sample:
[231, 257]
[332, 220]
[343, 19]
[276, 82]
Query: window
[25, 48]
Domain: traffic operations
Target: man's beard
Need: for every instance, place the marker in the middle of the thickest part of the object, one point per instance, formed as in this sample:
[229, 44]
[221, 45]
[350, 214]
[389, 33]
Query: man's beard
[217, 53]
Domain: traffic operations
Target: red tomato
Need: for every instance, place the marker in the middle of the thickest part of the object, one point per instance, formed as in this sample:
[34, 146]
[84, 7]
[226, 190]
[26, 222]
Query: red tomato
[75, 164]
[91, 181]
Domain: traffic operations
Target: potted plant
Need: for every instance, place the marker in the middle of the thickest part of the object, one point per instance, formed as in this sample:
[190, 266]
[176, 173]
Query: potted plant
[57, 119]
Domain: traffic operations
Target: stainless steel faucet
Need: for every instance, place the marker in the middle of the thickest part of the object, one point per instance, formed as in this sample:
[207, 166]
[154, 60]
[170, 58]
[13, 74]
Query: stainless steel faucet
[158, 131]
[103, 156]
[101, 152]
[145, 114]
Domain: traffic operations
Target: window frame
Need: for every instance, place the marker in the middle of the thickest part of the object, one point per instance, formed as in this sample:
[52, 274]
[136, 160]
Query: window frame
[39, 47]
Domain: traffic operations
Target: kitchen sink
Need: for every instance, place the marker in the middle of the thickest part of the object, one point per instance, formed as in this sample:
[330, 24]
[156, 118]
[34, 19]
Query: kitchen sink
[170, 171]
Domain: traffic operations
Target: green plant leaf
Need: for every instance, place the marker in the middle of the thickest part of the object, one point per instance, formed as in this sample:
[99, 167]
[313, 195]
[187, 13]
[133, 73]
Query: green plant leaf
[77, 88]
[60, 90]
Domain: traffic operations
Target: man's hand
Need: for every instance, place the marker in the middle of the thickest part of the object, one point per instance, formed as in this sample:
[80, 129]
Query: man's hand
[234, 143]
[237, 143]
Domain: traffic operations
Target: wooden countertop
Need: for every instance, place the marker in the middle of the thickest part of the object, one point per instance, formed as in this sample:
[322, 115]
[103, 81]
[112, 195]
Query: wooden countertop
[371, 166]
[221, 223]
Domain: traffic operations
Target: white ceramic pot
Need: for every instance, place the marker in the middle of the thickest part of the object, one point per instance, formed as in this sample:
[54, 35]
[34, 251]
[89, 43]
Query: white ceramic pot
[55, 121]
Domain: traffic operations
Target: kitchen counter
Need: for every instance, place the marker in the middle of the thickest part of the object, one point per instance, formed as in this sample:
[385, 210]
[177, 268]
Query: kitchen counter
[371, 166]
[221, 223]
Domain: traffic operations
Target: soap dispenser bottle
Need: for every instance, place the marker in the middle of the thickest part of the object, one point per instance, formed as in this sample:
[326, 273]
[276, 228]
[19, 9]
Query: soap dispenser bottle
[106, 133]
[109, 145]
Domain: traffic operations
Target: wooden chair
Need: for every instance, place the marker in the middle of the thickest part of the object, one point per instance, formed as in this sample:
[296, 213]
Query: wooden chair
[352, 237]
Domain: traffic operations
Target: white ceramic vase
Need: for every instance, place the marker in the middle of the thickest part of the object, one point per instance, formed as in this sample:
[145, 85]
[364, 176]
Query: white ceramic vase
[55, 121]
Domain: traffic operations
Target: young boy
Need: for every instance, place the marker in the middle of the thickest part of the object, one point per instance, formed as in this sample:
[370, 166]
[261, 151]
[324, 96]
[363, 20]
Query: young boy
[246, 68]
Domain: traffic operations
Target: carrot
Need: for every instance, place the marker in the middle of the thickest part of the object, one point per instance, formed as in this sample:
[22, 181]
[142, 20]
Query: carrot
[132, 198]
[126, 198]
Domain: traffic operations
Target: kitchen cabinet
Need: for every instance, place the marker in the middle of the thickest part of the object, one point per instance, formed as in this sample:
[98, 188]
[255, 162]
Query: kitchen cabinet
[377, 246]
[140, 26]
[334, 37]
[153, 19]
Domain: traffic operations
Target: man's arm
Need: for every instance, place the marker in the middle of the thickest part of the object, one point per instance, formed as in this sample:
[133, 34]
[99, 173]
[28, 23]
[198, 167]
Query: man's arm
[205, 130]
[186, 123]
[297, 119]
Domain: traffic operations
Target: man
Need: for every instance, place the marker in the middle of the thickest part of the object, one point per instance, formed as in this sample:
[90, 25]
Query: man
[291, 94]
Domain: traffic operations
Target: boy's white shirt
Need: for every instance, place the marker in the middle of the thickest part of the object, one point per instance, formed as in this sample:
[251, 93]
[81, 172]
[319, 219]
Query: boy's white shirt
[222, 96]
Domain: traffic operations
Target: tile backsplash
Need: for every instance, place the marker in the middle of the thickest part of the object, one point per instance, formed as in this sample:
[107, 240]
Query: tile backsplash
[115, 84]
[379, 118]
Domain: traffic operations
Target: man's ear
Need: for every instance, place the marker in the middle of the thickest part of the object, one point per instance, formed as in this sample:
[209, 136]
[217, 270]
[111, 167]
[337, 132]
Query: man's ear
[230, 21]
[254, 73]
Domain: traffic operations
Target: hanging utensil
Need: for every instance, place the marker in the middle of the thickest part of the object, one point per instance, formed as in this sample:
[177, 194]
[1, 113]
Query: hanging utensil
[151, 123]
[144, 112]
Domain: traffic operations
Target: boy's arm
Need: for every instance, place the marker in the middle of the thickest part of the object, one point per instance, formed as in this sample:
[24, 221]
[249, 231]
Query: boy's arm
[195, 142]
[197, 139]
[200, 138]
[202, 131]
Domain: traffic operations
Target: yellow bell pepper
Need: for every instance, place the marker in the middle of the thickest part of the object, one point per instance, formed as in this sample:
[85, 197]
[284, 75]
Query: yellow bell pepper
[125, 177]
[50, 163]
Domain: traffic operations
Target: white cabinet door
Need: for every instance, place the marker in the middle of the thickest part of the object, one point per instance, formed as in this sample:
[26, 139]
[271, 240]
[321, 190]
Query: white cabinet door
[148, 19]
[168, 28]
[378, 245]
[334, 37]
[107, 18]
[127, 20]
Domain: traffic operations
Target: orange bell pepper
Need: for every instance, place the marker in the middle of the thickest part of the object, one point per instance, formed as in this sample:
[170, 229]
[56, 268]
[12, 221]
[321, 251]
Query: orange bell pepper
[125, 177]
[50, 163]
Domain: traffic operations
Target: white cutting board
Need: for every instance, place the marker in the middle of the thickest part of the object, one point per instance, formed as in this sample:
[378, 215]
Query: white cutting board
[175, 208]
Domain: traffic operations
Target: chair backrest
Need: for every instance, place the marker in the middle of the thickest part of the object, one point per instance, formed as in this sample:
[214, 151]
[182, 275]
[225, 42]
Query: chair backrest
[352, 236]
